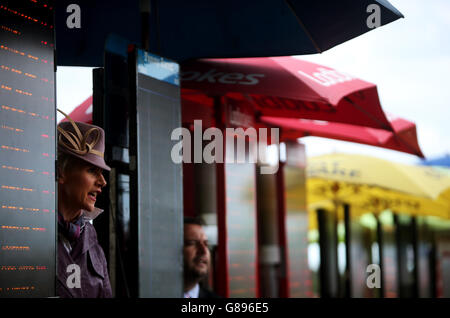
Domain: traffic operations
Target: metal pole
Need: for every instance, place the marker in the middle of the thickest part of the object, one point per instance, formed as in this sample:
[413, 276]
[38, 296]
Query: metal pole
[348, 250]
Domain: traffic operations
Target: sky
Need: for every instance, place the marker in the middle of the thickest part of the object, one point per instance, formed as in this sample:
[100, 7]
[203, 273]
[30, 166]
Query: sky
[408, 60]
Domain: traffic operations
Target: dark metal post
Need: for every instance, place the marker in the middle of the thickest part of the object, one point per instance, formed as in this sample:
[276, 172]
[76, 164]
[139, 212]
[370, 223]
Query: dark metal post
[348, 251]
[380, 252]
[328, 254]
[414, 229]
[282, 232]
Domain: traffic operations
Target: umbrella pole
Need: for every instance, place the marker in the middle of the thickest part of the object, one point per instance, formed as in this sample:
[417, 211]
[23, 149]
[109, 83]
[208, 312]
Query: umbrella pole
[348, 258]
[380, 253]
[340, 293]
[329, 270]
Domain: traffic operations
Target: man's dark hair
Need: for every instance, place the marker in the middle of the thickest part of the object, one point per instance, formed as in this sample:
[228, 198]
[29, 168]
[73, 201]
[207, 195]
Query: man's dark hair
[193, 220]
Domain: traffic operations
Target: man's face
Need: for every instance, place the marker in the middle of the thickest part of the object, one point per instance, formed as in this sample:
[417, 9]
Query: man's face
[196, 253]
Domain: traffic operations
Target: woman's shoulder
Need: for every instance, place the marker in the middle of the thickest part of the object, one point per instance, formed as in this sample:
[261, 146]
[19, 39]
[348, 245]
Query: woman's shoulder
[90, 233]
[90, 228]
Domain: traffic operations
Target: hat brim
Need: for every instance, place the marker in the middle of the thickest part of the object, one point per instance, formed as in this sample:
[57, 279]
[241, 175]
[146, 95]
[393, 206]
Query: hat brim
[89, 158]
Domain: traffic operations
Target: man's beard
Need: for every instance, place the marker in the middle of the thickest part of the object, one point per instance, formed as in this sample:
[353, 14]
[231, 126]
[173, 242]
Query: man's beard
[192, 274]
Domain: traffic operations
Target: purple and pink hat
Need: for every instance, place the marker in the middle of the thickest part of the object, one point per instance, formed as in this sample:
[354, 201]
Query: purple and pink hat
[84, 141]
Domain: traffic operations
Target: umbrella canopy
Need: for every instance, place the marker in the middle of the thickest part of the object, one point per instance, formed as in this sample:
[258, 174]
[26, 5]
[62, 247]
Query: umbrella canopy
[286, 87]
[419, 181]
[442, 161]
[372, 185]
[282, 87]
[328, 194]
[404, 137]
[82, 112]
[182, 30]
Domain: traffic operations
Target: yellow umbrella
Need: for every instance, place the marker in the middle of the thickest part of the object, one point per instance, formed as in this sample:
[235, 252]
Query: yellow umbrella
[363, 198]
[372, 184]
[422, 181]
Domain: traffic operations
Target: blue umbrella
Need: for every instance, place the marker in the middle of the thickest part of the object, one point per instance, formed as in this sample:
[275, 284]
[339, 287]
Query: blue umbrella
[181, 29]
[442, 161]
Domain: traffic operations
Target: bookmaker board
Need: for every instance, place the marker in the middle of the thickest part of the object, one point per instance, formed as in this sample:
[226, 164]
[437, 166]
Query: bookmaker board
[156, 180]
[27, 149]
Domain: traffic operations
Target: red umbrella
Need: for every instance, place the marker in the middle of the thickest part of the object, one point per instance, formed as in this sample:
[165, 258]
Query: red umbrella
[403, 139]
[286, 87]
[289, 87]
[82, 112]
[281, 87]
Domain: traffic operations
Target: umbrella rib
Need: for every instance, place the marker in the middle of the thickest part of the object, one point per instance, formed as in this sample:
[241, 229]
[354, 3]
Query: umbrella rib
[403, 142]
[383, 126]
[291, 7]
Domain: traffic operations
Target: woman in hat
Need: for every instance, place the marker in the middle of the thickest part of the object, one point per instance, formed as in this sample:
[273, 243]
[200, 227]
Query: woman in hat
[82, 269]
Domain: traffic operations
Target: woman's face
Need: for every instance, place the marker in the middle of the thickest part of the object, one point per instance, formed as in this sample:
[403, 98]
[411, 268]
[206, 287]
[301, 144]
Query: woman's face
[80, 186]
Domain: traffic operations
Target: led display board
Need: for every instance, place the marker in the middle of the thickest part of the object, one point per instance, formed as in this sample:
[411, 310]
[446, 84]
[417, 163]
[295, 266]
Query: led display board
[302, 280]
[27, 149]
[156, 191]
[241, 226]
[241, 221]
